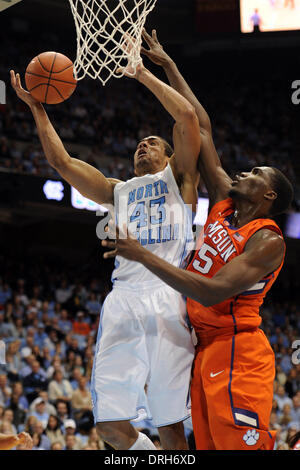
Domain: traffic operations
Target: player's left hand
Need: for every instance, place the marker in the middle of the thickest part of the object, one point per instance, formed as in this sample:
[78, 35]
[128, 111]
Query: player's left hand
[130, 72]
[125, 245]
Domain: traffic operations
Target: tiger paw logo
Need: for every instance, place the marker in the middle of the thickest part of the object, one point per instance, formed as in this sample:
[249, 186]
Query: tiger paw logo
[251, 437]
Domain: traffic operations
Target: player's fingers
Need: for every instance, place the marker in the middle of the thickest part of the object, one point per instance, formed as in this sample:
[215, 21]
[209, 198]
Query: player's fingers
[13, 78]
[110, 254]
[18, 81]
[108, 244]
[145, 51]
[147, 37]
[154, 35]
[28, 441]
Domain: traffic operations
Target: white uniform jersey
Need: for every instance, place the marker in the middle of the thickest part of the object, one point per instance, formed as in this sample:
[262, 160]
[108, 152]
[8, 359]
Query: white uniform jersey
[143, 336]
[153, 210]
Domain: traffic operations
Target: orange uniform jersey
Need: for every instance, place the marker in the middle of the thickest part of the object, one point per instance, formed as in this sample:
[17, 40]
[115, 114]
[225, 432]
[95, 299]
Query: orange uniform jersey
[234, 366]
[221, 243]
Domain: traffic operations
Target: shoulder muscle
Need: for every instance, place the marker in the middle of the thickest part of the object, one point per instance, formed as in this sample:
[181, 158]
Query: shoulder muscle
[266, 248]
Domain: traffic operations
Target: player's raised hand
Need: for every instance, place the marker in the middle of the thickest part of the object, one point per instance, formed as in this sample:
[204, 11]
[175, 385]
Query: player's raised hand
[21, 93]
[130, 72]
[125, 245]
[130, 48]
[156, 51]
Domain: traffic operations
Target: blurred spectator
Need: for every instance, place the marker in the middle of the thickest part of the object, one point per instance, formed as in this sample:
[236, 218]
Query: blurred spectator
[81, 328]
[49, 408]
[295, 409]
[64, 323]
[92, 305]
[292, 384]
[8, 420]
[17, 389]
[62, 411]
[59, 388]
[95, 440]
[30, 424]
[19, 414]
[13, 361]
[76, 375]
[40, 336]
[34, 382]
[40, 412]
[5, 390]
[282, 398]
[294, 441]
[73, 442]
[39, 431]
[53, 431]
[57, 446]
[82, 405]
[63, 293]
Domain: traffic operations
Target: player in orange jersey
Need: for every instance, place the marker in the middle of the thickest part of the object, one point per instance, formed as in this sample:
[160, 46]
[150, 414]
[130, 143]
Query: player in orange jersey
[240, 258]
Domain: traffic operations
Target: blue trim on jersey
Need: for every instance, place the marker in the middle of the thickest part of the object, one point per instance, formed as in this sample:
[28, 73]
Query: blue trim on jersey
[172, 422]
[116, 419]
[249, 414]
[130, 418]
[258, 291]
[228, 220]
[93, 379]
[233, 318]
[187, 224]
[117, 264]
[230, 375]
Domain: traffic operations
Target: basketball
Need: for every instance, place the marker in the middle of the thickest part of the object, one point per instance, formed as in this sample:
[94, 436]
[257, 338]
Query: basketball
[49, 78]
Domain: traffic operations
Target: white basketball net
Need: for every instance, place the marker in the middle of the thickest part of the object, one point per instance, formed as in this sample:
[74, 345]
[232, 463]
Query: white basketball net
[104, 28]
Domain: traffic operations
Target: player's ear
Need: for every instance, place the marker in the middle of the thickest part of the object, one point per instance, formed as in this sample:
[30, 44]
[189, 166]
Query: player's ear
[270, 195]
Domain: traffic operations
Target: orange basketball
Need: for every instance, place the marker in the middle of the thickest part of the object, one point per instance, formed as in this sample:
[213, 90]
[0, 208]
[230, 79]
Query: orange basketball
[49, 78]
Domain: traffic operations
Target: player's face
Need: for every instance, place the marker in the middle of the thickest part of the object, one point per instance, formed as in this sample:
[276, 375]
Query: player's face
[149, 156]
[254, 185]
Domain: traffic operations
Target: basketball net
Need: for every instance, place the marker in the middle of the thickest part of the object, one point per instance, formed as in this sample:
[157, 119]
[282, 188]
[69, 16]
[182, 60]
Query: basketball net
[109, 32]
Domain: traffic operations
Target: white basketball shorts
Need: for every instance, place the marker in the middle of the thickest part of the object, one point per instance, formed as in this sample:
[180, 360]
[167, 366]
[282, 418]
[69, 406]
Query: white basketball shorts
[143, 357]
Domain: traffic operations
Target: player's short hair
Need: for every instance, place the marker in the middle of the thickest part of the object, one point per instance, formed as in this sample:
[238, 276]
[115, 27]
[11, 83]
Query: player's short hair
[285, 192]
[168, 148]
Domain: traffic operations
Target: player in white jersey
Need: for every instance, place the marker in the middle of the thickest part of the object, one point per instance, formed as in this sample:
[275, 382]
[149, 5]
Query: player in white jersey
[143, 339]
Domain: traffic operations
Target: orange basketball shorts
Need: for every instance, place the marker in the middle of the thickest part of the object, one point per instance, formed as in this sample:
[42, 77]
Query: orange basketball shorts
[232, 392]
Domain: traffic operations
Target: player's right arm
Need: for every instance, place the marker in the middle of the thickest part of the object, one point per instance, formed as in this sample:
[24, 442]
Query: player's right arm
[89, 181]
[216, 180]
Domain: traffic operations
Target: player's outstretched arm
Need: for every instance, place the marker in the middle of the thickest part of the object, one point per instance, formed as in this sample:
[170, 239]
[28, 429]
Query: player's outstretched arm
[263, 254]
[216, 180]
[89, 181]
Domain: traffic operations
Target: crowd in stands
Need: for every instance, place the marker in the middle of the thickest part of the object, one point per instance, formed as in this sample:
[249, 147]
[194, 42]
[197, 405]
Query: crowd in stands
[48, 322]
